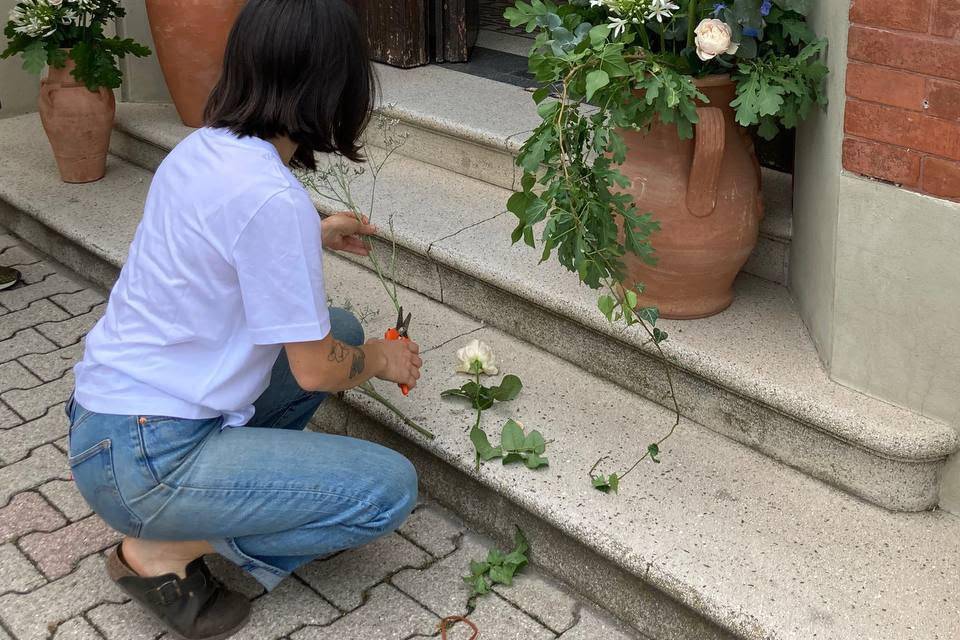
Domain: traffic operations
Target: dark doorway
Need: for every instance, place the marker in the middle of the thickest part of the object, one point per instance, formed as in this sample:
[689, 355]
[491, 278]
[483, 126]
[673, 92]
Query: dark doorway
[410, 33]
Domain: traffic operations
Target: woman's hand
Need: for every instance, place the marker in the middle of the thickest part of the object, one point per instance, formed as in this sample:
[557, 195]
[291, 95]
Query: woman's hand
[401, 363]
[343, 232]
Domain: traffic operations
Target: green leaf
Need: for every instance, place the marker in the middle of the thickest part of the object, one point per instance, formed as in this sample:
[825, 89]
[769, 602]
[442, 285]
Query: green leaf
[512, 457]
[650, 315]
[482, 445]
[535, 461]
[520, 544]
[654, 451]
[478, 568]
[535, 442]
[601, 483]
[614, 482]
[35, 57]
[596, 79]
[541, 94]
[659, 335]
[509, 388]
[599, 34]
[512, 438]
[607, 304]
[494, 557]
[502, 575]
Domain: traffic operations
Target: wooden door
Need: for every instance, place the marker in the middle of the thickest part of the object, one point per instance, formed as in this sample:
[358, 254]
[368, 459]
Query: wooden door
[410, 33]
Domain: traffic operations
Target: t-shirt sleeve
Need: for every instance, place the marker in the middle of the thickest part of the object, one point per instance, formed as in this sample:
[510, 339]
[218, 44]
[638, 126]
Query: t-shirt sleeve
[279, 262]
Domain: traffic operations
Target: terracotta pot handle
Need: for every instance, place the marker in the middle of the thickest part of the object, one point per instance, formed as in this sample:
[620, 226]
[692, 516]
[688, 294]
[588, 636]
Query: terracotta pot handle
[710, 144]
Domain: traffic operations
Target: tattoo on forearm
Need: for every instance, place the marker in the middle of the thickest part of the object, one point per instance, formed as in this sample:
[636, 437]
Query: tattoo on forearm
[359, 362]
[338, 353]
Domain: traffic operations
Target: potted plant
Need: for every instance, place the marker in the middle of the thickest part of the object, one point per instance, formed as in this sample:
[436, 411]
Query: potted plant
[76, 97]
[191, 36]
[643, 168]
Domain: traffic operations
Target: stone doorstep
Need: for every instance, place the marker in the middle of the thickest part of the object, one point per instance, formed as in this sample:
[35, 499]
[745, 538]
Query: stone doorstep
[884, 454]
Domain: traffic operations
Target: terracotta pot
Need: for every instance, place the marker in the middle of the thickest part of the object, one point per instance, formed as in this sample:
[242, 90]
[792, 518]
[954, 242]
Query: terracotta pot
[705, 193]
[78, 123]
[190, 37]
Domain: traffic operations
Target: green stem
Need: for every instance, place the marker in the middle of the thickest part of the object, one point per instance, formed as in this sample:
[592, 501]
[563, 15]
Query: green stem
[692, 9]
[476, 425]
[663, 40]
[368, 390]
[645, 36]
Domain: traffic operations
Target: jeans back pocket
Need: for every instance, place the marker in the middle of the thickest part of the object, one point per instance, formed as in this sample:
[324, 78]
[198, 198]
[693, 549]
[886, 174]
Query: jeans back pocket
[94, 476]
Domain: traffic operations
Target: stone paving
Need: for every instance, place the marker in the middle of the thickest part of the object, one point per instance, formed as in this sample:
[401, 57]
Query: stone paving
[52, 580]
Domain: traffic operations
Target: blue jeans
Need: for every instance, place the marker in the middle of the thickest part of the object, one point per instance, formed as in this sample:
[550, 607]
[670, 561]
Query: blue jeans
[268, 496]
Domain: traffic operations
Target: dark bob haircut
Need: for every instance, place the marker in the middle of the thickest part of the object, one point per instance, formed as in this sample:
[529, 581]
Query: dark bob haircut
[298, 68]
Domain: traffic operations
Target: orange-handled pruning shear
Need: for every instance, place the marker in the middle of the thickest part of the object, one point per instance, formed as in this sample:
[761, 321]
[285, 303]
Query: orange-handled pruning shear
[400, 333]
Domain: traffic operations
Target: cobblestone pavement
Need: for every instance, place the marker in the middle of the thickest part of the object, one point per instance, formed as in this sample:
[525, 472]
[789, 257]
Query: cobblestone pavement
[52, 580]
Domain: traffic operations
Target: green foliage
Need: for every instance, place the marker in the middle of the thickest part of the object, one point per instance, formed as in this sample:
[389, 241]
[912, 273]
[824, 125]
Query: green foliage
[515, 446]
[482, 397]
[46, 34]
[605, 68]
[498, 568]
[780, 89]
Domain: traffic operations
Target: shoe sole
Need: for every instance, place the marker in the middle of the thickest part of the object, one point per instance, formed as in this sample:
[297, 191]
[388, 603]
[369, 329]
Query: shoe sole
[116, 569]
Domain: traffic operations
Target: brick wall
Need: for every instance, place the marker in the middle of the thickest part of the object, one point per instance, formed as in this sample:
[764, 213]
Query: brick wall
[902, 120]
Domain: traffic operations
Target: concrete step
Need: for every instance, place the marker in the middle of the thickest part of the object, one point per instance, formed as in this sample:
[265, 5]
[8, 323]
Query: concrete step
[751, 373]
[715, 542]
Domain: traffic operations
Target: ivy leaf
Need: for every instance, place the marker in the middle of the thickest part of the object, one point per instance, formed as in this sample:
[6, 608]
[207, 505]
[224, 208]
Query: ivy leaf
[650, 315]
[654, 451]
[605, 484]
[596, 79]
[512, 438]
[659, 335]
[509, 389]
[35, 57]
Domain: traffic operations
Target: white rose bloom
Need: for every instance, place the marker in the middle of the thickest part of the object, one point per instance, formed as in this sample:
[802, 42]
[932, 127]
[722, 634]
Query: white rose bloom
[713, 39]
[480, 353]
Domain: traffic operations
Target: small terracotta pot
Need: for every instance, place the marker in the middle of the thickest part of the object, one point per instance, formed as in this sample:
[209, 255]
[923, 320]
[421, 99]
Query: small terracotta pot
[78, 123]
[190, 37]
[705, 193]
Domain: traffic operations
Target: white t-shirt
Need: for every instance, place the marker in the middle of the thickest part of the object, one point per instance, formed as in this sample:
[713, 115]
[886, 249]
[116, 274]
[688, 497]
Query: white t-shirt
[225, 267]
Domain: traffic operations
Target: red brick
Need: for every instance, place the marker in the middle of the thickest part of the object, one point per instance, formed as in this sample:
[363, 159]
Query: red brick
[884, 13]
[941, 177]
[924, 54]
[56, 553]
[27, 512]
[881, 84]
[903, 128]
[946, 18]
[884, 161]
[944, 99]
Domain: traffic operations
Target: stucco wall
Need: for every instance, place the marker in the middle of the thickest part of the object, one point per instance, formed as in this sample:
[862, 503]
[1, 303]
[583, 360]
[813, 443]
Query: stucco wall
[18, 89]
[817, 188]
[143, 80]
